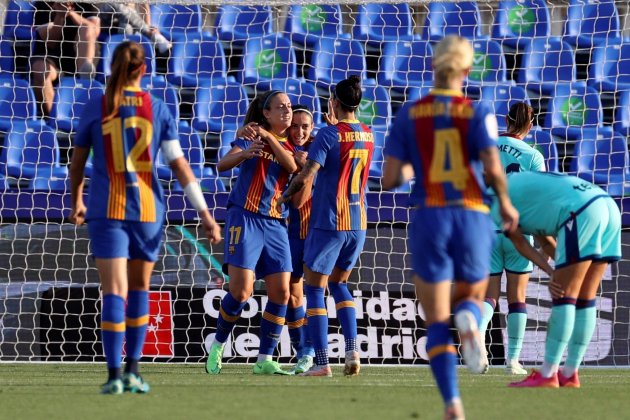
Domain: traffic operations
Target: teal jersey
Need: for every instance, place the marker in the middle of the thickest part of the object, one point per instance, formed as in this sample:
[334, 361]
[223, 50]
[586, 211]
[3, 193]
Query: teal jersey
[518, 156]
[545, 200]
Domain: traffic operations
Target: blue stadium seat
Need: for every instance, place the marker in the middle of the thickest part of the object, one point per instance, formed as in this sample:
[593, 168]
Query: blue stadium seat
[307, 24]
[591, 22]
[7, 57]
[158, 87]
[602, 158]
[572, 109]
[196, 59]
[239, 23]
[107, 52]
[19, 20]
[546, 63]
[405, 64]
[172, 19]
[31, 150]
[382, 22]
[452, 18]
[302, 93]
[488, 64]
[267, 58]
[415, 93]
[17, 102]
[375, 108]
[70, 97]
[621, 124]
[501, 98]
[376, 167]
[227, 137]
[517, 21]
[334, 60]
[610, 67]
[220, 107]
[193, 152]
[543, 141]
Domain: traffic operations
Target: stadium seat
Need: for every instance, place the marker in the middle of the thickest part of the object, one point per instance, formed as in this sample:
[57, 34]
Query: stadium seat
[452, 18]
[7, 57]
[307, 24]
[158, 87]
[302, 93]
[546, 63]
[31, 150]
[543, 141]
[219, 107]
[70, 97]
[267, 58]
[517, 21]
[237, 24]
[415, 93]
[621, 124]
[107, 53]
[376, 167]
[334, 60]
[227, 137]
[573, 109]
[172, 19]
[375, 108]
[602, 158]
[196, 59]
[610, 67]
[193, 152]
[405, 64]
[19, 20]
[17, 102]
[488, 64]
[501, 98]
[591, 22]
[382, 22]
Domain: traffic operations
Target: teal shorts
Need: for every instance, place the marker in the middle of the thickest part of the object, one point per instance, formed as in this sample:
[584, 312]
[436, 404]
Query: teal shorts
[591, 233]
[506, 257]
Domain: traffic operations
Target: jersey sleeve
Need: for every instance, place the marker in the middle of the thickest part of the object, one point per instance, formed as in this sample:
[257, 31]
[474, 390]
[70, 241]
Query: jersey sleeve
[83, 138]
[395, 145]
[484, 128]
[168, 124]
[241, 143]
[538, 162]
[321, 145]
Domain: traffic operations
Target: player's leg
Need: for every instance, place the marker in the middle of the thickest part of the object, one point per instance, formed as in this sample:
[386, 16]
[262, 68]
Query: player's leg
[490, 303]
[467, 298]
[296, 317]
[516, 320]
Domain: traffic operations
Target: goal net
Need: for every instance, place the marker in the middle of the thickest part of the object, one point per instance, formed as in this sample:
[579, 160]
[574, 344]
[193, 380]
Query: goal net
[569, 58]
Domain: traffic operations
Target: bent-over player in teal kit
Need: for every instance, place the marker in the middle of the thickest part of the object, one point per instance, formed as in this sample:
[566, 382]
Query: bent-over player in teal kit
[516, 156]
[586, 223]
[338, 222]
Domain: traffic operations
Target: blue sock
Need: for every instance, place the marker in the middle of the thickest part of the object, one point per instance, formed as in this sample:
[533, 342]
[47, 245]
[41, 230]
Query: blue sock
[113, 331]
[307, 348]
[442, 359]
[317, 322]
[295, 322]
[471, 306]
[273, 320]
[346, 313]
[489, 305]
[136, 327]
[229, 313]
[516, 323]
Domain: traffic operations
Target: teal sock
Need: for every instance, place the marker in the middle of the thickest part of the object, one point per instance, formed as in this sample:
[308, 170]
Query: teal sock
[559, 329]
[486, 315]
[585, 319]
[516, 323]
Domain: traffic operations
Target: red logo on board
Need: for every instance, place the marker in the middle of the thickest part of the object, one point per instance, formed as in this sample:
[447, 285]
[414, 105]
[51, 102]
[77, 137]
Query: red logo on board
[159, 340]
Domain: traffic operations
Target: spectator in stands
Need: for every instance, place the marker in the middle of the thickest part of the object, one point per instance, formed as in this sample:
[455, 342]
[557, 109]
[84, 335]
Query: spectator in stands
[119, 18]
[65, 42]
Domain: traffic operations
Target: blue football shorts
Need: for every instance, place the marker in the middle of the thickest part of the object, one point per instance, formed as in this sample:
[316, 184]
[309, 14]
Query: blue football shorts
[327, 249]
[125, 239]
[297, 256]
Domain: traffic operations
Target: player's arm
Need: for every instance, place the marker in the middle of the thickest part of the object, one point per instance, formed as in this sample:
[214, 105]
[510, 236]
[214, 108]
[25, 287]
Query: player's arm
[300, 198]
[77, 182]
[395, 173]
[548, 245]
[526, 249]
[493, 171]
[237, 155]
[306, 175]
[285, 158]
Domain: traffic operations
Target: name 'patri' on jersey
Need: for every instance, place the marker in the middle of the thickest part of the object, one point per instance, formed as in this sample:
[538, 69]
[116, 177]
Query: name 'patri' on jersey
[441, 135]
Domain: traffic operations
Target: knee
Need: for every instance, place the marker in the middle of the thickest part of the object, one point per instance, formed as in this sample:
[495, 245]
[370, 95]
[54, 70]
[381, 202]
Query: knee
[295, 301]
[240, 295]
[279, 296]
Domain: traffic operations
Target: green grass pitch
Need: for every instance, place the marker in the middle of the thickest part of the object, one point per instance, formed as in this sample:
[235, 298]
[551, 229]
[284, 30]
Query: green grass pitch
[70, 391]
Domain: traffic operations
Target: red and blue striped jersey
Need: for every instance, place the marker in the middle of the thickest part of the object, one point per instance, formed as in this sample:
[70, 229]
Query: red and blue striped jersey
[344, 152]
[261, 181]
[299, 219]
[441, 135]
[124, 184]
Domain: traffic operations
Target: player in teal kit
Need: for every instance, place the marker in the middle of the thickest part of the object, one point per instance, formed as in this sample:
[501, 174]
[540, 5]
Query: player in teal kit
[516, 156]
[587, 226]
[125, 128]
[447, 141]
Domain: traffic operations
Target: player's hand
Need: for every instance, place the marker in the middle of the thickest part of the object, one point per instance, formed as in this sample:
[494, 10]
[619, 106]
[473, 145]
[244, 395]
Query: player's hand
[509, 215]
[330, 117]
[248, 132]
[212, 229]
[281, 200]
[77, 214]
[300, 158]
[555, 289]
[254, 150]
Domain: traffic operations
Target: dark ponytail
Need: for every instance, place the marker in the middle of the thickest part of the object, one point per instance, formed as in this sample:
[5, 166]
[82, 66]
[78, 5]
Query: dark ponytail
[519, 117]
[348, 93]
[126, 66]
